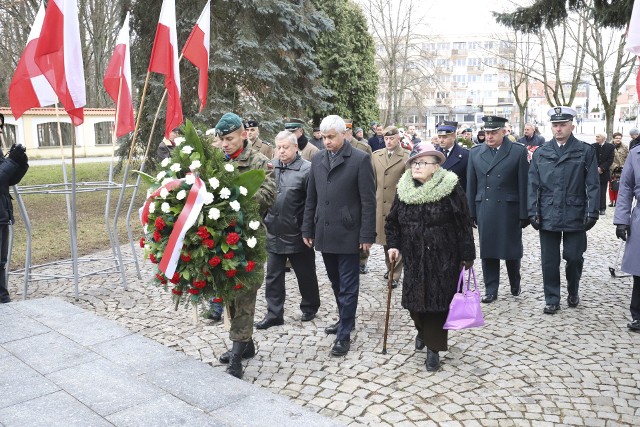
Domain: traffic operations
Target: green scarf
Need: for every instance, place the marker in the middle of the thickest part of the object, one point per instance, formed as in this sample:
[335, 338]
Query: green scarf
[440, 185]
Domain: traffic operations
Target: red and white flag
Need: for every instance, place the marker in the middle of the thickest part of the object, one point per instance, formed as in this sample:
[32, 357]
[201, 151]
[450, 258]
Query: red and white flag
[196, 50]
[29, 88]
[59, 56]
[117, 80]
[164, 60]
[633, 32]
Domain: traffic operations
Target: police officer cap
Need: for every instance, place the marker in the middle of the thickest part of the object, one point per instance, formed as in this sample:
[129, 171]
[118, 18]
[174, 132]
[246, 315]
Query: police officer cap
[561, 114]
[494, 122]
[228, 123]
[293, 124]
[251, 124]
[390, 130]
[446, 127]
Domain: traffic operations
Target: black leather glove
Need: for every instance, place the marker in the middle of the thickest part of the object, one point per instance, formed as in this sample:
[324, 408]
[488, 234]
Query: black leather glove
[474, 222]
[524, 223]
[623, 231]
[535, 222]
[18, 154]
[589, 222]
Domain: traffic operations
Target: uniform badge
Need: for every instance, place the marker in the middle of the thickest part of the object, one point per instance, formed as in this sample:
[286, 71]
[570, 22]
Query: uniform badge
[558, 110]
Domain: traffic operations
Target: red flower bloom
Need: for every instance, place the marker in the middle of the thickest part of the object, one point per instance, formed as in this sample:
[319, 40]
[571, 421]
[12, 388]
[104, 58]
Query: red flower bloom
[153, 259]
[250, 266]
[157, 236]
[194, 291]
[185, 257]
[233, 238]
[160, 224]
[229, 255]
[217, 300]
[160, 277]
[175, 278]
[214, 261]
[199, 284]
[232, 224]
[203, 233]
[238, 286]
[142, 241]
[176, 291]
[209, 243]
[231, 273]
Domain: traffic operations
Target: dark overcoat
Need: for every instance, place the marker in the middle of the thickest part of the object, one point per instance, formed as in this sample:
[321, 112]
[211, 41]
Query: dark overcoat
[497, 196]
[457, 163]
[10, 174]
[627, 214]
[605, 154]
[433, 239]
[340, 211]
[564, 187]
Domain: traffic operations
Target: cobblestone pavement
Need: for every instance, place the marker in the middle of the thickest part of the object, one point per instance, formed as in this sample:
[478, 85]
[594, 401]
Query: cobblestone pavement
[578, 367]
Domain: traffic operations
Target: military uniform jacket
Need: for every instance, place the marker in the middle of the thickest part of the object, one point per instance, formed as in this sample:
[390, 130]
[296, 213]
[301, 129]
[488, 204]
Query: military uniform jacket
[340, 211]
[457, 163]
[360, 145]
[308, 151]
[284, 218]
[564, 187]
[263, 147]
[387, 171]
[497, 197]
[252, 159]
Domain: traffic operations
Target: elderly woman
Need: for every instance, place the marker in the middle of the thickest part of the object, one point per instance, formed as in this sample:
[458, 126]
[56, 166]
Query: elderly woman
[429, 224]
[619, 157]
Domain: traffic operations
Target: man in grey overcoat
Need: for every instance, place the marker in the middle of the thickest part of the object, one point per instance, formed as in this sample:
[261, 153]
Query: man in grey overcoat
[627, 221]
[340, 219]
[497, 195]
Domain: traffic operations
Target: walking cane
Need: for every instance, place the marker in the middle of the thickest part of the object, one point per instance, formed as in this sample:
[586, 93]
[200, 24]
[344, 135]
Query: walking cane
[386, 321]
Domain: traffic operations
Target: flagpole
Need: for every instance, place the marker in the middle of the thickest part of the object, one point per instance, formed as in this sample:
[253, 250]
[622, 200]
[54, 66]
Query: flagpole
[135, 131]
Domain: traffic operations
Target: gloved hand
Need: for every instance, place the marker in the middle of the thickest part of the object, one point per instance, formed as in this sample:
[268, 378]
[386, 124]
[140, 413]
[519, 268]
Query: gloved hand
[524, 223]
[474, 222]
[535, 222]
[18, 154]
[589, 222]
[623, 231]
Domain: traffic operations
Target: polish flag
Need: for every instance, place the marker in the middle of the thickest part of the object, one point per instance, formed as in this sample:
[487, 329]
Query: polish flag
[29, 88]
[164, 60]
[633, 37]
[59, 56]
[117, 80]
[196, 50]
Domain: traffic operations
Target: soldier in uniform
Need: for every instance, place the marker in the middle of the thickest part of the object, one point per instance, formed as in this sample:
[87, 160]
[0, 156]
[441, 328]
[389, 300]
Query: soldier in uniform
[242, 310]
[563, 200]
[456, 156]
[253, 135]
[306, 150]
[355, 142]
[497, 196]
[317, 139]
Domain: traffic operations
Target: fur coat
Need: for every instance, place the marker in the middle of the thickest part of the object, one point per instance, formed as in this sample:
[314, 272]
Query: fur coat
[431, 227]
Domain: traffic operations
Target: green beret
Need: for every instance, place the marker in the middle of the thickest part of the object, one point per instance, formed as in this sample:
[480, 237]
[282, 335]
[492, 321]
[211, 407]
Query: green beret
[228, 123]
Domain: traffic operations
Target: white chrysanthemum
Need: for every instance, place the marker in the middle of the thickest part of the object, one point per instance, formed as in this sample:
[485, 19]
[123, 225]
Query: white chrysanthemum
[208, 198]
[161, 175]
[181, 195]
[190, 179]
[214, 213]
[152, 207]
[235, 205]
[165, 207]
[228, 167]
[195, 165]
[214, 183]
[254, 225]
[252, 242]
[164, 193]
[179, 140]
[187, 149]
[243, 190]
[166, 181]
[176, 167]
[165, 162]
[225, 193]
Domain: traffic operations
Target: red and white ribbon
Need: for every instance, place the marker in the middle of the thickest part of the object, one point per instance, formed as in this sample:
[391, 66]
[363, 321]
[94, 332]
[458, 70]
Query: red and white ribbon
[144, 211]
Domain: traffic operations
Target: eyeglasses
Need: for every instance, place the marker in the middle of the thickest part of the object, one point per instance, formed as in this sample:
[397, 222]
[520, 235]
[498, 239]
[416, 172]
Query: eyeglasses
[422, 164]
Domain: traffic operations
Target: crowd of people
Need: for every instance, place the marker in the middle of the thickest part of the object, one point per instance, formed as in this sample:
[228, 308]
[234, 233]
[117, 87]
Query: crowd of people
[338, 193]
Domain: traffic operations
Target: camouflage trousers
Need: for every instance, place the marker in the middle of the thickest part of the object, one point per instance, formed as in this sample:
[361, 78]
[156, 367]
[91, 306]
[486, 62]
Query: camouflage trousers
[241, 314]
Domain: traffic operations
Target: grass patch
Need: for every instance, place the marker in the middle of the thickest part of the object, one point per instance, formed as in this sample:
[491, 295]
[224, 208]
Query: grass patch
[48, 214]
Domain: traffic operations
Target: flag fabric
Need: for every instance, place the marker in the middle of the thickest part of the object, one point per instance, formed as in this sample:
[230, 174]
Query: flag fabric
[164, 60]
[117, 80]
[196, 50]
[29, 88]
[59, 56]
[633, 37]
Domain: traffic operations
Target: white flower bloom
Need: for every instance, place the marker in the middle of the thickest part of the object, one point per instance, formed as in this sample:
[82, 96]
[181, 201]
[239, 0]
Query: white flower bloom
[208, 198]
[252, 242]
[179, 140]
[243, 190]
[176, 167]
[164, 193]
[214, 213]
[195, 165]
[165, 162]
[146, 228]
[210, 132]
[165, 207]
[228, 167]
[190, 179]
[187, 149]
[161, 175]
[152, 207]
[254, 225]
[214, 183]
[166, 181]
[181, 195]
[235, 205]
[225, 193]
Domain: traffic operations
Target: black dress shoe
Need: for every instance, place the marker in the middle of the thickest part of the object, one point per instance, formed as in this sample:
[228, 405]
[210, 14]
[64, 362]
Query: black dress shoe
[489, 298]
[364, 269]
[307, 317]
[634, 326]
[610, 205]
[267, 323]
[340, 348]
[419, 343]
[516, 291]
[333, 329]
[433, 361]
[573, 300]
[602, 211]
[5, 300]
[386, 276]
[551, 308]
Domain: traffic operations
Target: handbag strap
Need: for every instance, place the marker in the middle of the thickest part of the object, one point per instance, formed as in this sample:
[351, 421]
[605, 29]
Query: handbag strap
[464, 287]
[461, 281]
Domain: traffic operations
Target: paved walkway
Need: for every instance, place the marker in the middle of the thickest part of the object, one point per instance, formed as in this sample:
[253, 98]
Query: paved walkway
[578, 367]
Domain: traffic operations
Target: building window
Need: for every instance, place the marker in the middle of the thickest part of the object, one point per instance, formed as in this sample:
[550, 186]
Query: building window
[103, 133]
[488, 45]
[490, 77]
[48, 134]
[461, 62]
[460, 45]
[10, 135]
[444, 46]
[442, 95]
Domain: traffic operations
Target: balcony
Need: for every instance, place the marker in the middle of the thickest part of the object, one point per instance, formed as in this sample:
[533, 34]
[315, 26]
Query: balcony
[441, 101]
[458, 52]
[508, 101]
[474, 69]
[503, 85]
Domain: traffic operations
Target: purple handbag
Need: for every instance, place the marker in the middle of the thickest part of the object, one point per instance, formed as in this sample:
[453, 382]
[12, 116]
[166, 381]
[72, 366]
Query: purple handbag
[464, 310]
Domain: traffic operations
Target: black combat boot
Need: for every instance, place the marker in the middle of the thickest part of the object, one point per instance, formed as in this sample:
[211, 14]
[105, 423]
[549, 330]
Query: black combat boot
[249, 352]
[235, 362]
[433, 360]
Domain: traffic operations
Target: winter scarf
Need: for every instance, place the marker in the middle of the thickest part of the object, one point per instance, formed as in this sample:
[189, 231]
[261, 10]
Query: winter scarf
[439, 186]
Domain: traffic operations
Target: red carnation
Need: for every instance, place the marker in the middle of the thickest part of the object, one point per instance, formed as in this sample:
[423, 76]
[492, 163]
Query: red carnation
[176, 291]
[161, 278]
[203, 233]
[217, 300]
[157, 236]
[194, 291]
[229, 255]
[231, 273]
[250, 266]
[175, 278]
[209, 243]
[232, 224]
[160, 224]
[238, 286]
[142, 242]
[214, 261]
[153, 259]
[233, 238]
[185, 257]
[199, 284]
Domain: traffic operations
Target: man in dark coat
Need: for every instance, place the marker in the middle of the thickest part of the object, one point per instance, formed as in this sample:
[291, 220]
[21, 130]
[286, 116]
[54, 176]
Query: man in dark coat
[284, 238]
[376, 142]
[563, 204]
[634, 133]
[531, 138]
[340, 219]
[605, 152]
[457, 156]
[497, 196]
